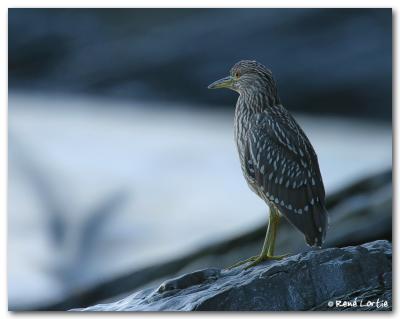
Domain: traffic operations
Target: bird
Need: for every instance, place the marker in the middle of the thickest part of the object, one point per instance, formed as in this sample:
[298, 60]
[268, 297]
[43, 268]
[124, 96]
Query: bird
[277, 159]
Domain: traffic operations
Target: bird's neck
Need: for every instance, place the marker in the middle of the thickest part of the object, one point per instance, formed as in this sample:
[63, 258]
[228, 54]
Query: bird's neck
[256, 101]
[248, 104]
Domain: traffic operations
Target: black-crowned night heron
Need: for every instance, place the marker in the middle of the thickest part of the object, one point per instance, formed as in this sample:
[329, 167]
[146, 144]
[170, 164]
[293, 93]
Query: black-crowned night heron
[277, 159]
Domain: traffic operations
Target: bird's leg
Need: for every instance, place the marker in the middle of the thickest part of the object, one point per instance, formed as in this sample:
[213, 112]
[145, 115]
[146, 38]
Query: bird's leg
[269, 242]
[267, 251]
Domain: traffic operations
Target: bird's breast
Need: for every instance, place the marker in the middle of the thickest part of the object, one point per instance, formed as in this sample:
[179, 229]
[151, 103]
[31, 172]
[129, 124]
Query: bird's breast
[242, 120]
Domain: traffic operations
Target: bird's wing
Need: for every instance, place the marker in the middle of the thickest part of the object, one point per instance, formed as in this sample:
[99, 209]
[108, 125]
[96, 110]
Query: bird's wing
[284, 166]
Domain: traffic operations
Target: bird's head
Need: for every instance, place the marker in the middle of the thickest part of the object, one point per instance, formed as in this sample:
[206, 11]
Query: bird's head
[246, 77]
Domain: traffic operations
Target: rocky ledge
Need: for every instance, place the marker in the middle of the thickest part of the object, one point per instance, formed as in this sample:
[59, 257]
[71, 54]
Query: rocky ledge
[351, 278]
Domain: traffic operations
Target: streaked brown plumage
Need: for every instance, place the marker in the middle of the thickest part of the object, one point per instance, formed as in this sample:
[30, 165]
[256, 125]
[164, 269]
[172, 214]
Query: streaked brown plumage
[277, 159]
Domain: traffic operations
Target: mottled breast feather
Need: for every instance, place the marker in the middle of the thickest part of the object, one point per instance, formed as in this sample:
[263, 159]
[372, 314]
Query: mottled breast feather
[282, 167]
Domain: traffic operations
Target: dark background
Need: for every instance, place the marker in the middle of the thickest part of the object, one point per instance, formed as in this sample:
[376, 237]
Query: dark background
[326, 61]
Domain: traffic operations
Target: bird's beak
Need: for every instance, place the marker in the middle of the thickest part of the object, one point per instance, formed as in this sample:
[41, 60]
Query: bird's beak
[222, 83]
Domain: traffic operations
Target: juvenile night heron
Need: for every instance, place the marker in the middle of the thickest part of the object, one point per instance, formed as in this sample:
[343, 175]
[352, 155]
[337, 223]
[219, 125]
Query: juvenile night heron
[277, 159]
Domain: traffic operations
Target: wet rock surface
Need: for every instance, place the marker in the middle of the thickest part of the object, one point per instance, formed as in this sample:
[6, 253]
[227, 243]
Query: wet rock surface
[308, 281]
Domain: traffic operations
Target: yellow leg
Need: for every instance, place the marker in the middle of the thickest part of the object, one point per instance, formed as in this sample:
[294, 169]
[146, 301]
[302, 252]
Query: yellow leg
[267, 252]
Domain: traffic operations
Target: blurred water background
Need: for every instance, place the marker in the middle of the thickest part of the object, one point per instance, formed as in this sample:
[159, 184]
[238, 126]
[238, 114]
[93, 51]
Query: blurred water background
[120, 159]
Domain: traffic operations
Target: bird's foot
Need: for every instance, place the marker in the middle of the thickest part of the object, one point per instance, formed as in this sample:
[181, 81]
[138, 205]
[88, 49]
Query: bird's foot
[255, 260]
[242, 262]
[261, 259]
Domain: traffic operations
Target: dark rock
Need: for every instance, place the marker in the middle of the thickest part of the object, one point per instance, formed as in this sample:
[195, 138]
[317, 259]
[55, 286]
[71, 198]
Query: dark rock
[187, 280]
[307, 281]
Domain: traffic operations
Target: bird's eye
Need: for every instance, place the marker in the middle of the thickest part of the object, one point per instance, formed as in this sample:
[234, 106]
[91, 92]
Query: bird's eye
[237, 75]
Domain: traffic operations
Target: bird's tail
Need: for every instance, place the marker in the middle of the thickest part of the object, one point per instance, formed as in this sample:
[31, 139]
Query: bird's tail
[315, 235]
